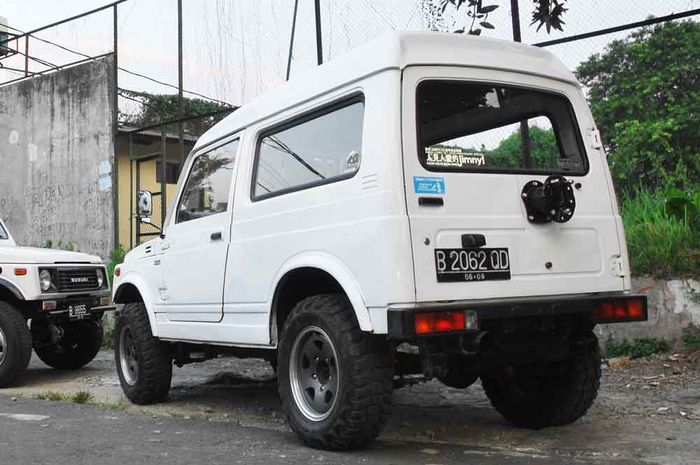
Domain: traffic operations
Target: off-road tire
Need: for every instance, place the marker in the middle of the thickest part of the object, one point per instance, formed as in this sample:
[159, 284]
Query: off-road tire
[18, 344]
[155, 362]
[79, 346]
[566, 394]
[363, 401]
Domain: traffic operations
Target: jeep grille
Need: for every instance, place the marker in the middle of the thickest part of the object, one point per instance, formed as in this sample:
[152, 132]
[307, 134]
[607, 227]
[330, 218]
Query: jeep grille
[76, 279]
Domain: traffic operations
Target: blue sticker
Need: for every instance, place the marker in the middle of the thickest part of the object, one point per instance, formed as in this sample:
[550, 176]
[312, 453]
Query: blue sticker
[428, 185]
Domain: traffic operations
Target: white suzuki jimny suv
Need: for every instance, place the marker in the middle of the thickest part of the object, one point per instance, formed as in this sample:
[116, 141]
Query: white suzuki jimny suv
[64, 294]
[432, 204]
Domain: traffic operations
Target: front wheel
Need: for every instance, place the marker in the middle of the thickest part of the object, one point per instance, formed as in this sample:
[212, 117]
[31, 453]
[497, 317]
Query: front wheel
[335, 381]
[15, 345]
[144, 363]
[540, 395]
[78, 345]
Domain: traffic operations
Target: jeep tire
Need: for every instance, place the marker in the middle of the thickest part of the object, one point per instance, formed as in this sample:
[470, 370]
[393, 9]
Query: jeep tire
[460, 373]
[335, 381]
[144, 363]
[540, 395]
[15, 344]
[79, 345]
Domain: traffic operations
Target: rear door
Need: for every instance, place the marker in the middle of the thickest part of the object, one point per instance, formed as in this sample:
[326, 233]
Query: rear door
[466, 165]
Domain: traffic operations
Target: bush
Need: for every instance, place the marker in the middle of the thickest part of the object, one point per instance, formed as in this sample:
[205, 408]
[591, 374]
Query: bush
[115, 258]
[636, 348]
[661, 230]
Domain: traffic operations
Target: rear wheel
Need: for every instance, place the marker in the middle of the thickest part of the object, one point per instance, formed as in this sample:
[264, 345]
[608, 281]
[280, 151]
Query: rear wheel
[539, 395]
[15, 344]
[78, 345]
[335, 381]
[144, 363]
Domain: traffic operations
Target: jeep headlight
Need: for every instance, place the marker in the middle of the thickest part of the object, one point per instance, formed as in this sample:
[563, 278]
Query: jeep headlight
[45, 280]
[100, 278]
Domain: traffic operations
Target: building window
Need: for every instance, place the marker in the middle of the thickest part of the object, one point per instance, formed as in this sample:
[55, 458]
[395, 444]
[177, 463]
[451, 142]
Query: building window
[172, 172]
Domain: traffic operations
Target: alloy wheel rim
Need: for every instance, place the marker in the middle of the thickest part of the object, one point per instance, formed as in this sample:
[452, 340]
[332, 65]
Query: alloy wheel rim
[3, 347]
[128, 358]
[314, 373]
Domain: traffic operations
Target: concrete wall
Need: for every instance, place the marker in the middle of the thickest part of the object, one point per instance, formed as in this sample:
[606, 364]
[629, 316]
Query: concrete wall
[56, 154]
[674, 305]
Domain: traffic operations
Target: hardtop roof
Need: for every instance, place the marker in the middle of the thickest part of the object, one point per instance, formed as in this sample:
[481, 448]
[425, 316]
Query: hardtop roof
[397, 51]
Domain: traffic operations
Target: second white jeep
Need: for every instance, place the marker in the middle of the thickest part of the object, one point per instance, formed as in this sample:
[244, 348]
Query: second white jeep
[432, 205]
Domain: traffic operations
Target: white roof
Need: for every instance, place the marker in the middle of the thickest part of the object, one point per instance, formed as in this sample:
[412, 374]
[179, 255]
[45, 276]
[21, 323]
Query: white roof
[395, 51]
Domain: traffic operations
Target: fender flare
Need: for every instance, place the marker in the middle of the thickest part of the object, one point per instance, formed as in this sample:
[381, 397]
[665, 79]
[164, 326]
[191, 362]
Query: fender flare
[336, 269]
[139, 283]
[14, 290]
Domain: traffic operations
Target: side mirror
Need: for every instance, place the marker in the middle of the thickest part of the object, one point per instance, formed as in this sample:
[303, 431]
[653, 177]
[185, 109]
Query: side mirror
[145, 206]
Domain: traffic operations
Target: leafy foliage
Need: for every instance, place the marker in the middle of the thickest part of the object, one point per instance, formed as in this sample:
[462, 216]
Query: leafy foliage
[159, 108]
[644, 92]
[116, 257]
[662, 238]
[636, 348]
[509, 152]
[547, 13]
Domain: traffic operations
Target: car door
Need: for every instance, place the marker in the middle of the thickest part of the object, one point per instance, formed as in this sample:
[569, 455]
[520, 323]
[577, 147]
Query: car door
[196, 243]
[466, 174]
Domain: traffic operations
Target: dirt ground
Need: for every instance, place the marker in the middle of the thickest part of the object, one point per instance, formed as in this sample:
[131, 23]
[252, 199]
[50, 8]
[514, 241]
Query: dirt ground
[648, 410]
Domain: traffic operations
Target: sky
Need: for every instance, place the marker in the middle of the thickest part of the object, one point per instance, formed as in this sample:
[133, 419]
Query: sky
[236, 49]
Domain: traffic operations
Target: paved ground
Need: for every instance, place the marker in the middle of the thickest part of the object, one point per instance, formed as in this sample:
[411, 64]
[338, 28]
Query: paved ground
[227, 411]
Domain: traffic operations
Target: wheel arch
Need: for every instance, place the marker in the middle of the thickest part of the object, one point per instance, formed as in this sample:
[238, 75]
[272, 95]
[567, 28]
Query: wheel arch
[313, 274]
[8, 291]
[132, 289]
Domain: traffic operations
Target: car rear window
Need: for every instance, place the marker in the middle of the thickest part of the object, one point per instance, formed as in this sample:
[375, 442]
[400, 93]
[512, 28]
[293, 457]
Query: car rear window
[479, 127]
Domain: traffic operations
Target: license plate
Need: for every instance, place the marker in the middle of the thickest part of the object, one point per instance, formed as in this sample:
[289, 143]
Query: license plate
[78, 311]
[472, 264]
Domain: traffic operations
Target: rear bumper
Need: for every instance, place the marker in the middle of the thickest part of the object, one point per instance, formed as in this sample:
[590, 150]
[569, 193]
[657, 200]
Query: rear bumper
[401, 319]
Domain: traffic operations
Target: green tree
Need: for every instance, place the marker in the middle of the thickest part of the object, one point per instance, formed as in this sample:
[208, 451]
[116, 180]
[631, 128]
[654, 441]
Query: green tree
[644, 92]
[543, 150]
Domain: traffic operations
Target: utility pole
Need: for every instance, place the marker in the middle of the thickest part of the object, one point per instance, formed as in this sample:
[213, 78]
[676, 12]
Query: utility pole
[524, 127]
[180, 101]
[319, 44]
[291, 40]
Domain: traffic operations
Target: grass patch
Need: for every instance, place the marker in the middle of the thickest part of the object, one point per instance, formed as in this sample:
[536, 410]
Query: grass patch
[691, 339]
[635, 348]
[660, 240]
[80, 397]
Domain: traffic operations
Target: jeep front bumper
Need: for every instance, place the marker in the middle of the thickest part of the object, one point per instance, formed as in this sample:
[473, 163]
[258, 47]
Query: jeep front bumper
[407, 322]
[94, 303]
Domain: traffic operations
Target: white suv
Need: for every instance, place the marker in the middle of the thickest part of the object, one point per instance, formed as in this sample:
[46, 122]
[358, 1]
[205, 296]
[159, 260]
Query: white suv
[64, 294]
[431, 204]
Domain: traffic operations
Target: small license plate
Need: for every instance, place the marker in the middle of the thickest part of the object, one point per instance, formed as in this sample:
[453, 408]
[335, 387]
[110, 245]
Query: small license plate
[472, 264]
[78, 311]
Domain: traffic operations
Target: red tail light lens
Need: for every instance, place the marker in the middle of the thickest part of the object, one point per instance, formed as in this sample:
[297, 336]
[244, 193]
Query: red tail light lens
[442, 322]
[614, 311]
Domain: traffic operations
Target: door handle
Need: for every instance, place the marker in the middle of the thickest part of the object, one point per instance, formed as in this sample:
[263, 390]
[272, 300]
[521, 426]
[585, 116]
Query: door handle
[216, 236]
[431, 201]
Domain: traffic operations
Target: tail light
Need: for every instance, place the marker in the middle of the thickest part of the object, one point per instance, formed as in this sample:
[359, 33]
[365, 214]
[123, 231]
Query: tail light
[443, 322]
[621, 310]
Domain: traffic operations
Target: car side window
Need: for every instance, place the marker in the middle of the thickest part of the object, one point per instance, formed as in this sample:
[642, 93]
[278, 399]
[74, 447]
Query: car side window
[208, 184]
[314, 149]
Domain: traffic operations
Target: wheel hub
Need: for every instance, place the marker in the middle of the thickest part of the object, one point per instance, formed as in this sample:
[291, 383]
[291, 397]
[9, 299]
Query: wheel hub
[3, 347]
[128, 357]
[314, 373]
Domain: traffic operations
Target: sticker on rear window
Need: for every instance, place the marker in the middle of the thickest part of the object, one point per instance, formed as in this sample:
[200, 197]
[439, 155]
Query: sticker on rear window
[428, 185]
[455, 157]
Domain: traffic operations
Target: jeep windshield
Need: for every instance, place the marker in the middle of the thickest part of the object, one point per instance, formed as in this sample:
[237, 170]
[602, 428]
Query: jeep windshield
[478, 127]
[3, 233]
